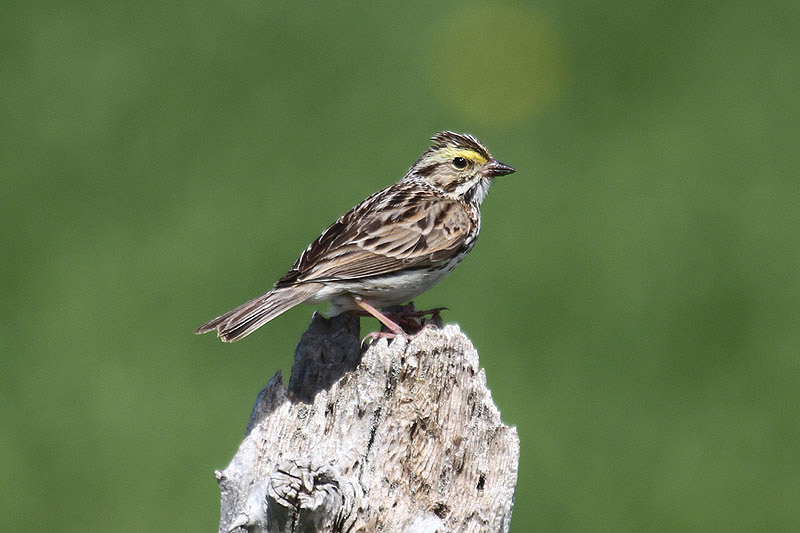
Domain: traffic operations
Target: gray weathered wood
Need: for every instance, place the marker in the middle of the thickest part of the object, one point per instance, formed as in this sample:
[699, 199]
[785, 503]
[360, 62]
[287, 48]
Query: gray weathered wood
[402, 438]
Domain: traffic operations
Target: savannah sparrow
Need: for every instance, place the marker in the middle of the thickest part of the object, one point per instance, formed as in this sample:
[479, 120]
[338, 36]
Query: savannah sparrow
[391, 247]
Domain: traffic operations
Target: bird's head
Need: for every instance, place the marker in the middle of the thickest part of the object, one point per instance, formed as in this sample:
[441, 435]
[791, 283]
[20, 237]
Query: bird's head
[459, 166]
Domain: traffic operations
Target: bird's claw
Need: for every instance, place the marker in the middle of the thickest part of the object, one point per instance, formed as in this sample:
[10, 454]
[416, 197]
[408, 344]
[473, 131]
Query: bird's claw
[410, 322]
[383, 334]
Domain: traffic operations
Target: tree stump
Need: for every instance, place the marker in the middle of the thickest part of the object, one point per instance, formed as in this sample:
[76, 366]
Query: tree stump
[402, 437]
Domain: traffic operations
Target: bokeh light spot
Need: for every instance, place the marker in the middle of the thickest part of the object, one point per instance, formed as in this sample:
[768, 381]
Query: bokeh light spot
[497, 63]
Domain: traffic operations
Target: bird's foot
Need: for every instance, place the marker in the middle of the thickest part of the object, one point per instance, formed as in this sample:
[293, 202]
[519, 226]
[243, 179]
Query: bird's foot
[403, 321]
[384, 334]
[413, 321]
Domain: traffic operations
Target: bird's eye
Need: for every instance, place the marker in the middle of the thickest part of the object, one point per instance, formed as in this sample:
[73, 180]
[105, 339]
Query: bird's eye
[460, 163]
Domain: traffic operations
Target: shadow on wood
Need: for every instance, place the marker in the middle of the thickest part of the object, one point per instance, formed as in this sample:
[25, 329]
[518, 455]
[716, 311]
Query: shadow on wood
[403, 437]
[327, 350]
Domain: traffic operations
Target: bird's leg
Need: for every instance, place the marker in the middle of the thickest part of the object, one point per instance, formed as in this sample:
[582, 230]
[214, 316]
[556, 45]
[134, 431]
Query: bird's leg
[408, 317]
[383, 319]
[410, 311]
[400, 320]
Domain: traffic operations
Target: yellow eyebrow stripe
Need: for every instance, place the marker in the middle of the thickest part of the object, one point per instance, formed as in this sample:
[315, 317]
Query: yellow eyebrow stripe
[472, 155]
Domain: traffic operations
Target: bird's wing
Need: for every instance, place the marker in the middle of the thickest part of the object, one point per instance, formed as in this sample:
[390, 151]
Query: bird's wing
[394, 229]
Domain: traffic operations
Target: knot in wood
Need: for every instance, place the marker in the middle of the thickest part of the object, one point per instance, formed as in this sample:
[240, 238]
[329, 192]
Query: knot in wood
[306, 497]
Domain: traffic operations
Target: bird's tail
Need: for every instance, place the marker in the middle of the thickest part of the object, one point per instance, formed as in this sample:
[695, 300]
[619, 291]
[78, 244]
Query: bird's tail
[250, 316]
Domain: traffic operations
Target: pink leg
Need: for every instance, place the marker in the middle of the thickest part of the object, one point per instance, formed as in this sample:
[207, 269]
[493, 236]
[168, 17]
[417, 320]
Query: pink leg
[410, 311]
[403, 320]
[383, 319]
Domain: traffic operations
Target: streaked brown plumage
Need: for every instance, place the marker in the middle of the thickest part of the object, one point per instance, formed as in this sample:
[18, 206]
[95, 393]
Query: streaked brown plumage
[391, 247]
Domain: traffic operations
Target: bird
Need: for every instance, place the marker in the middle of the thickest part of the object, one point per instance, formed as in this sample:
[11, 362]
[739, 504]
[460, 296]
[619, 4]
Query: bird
[388, 249]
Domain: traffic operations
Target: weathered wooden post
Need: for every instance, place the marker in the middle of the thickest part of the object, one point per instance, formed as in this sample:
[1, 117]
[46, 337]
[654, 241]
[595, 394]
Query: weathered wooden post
[403, 437]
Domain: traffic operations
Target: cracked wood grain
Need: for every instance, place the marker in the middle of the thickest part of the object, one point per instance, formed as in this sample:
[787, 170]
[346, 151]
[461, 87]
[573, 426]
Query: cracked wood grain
[402, 437]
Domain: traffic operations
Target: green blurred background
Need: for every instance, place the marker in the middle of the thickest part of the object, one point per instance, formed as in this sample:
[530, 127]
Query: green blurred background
[635, 295]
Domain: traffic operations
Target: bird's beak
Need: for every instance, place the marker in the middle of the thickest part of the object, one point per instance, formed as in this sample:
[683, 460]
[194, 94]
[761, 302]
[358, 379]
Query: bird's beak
[495, 168]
